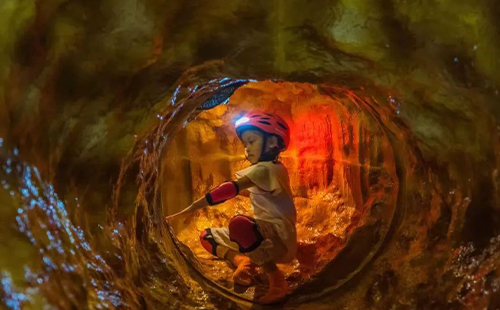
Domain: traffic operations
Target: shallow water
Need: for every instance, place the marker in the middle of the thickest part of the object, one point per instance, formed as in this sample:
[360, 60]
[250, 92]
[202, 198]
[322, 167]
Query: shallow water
[85, 137]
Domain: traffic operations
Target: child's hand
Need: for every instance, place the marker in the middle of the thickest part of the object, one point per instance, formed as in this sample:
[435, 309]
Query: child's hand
[200, 203]
[170, 217]
[179, 215]
[174, 216]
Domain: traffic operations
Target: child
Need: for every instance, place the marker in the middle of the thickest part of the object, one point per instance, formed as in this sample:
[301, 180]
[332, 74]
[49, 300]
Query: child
[270, 237]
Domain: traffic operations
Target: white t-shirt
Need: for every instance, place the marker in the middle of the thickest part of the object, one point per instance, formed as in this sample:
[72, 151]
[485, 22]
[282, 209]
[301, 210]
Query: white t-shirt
[272, 200]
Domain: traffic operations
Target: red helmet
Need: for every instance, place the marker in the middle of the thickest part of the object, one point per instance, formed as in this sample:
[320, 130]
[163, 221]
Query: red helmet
[266, 122]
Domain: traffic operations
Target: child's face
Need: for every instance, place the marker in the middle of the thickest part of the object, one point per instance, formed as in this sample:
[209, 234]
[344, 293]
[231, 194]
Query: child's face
[252, 141]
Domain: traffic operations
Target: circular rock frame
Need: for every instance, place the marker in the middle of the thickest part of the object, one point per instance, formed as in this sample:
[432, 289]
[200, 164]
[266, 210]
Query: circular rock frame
[360, 152]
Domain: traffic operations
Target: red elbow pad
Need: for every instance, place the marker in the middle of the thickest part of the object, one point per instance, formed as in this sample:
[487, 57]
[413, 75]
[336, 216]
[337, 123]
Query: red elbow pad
[223, 192]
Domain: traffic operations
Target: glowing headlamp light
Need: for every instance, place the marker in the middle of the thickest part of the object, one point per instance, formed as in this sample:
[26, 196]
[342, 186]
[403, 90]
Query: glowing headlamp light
[241, 121]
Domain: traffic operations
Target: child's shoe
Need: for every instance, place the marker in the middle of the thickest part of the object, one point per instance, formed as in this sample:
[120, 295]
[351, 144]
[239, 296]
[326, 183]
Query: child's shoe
[278, 288]
[245, 270]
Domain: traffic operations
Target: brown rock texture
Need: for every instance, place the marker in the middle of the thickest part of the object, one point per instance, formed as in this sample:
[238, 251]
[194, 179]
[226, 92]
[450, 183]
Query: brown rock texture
[339, 161]
[100, 102]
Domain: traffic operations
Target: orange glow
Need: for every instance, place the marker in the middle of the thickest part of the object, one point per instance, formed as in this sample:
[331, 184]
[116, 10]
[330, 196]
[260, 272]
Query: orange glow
[334, 147]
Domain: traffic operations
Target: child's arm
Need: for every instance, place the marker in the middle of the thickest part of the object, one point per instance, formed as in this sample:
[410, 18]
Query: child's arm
[221, 193]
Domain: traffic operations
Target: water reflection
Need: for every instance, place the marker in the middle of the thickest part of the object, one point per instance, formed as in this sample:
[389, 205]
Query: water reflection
[131, 262]
[69, 264]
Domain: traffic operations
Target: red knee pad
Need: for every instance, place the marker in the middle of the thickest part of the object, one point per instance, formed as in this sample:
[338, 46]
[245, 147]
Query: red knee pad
[208, 242]
[245, 232]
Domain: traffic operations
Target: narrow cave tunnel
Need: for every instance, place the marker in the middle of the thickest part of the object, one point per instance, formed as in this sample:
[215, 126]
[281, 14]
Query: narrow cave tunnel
[342, 174]
[118, 114]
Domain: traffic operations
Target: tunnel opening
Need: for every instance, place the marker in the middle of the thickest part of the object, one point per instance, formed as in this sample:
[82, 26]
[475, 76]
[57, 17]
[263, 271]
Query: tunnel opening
[342, 174]
[125, 62]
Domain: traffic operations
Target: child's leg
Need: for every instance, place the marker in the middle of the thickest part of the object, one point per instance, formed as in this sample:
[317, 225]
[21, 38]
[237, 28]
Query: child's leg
[245, 236]
[217, 242]
[249, 235]
[263, 246]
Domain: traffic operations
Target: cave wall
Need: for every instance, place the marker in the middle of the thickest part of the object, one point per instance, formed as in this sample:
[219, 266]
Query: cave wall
[335, 147]
[80, 80]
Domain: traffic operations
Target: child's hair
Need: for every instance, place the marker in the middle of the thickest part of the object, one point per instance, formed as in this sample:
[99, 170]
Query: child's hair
[277, 156]
[275, 151]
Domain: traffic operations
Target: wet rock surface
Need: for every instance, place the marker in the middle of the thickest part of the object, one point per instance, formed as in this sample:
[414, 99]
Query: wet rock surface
[336, 149]
[92, 95]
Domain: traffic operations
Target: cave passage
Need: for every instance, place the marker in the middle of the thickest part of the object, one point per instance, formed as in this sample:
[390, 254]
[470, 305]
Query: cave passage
[342, 175]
